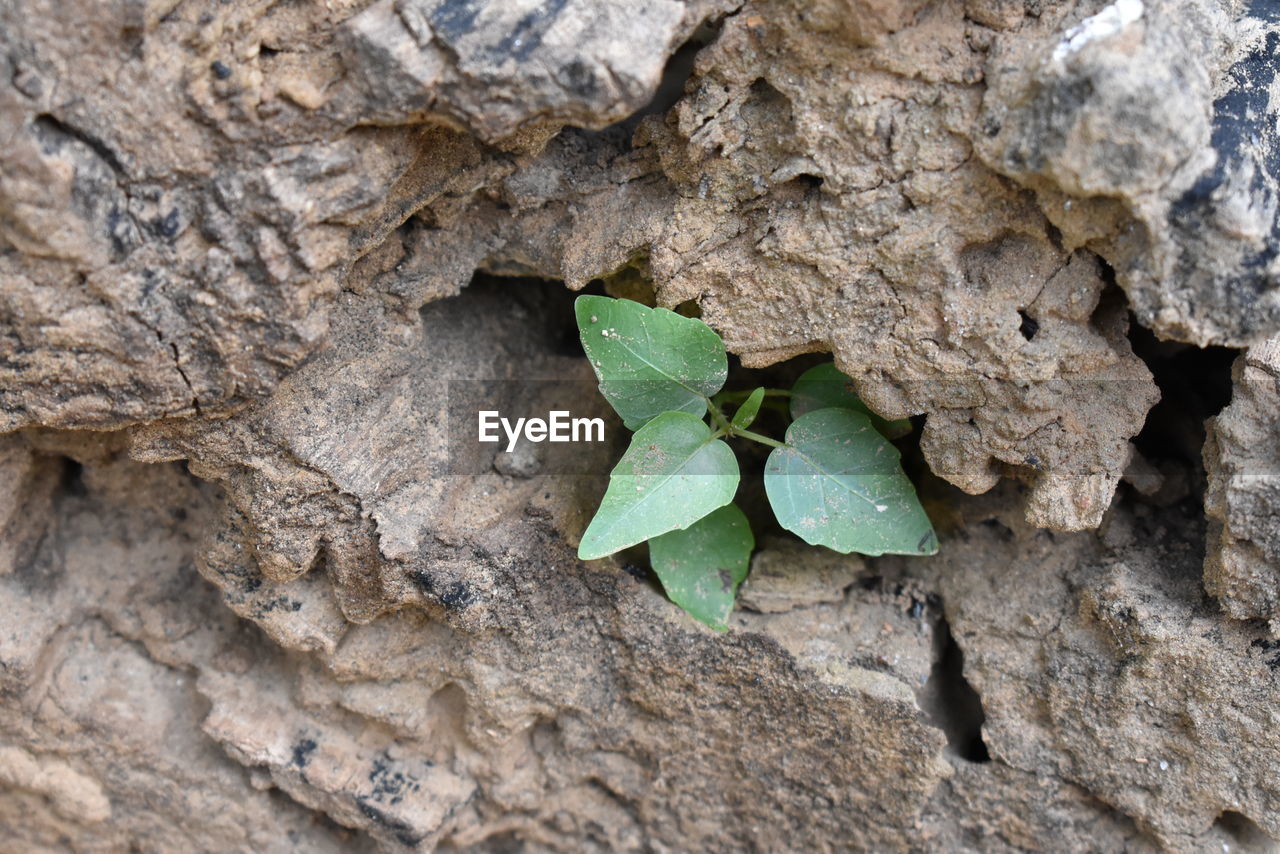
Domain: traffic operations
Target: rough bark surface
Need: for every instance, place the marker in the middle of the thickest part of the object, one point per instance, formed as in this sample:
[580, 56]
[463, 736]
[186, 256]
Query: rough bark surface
[249, 250]
[1242, 566]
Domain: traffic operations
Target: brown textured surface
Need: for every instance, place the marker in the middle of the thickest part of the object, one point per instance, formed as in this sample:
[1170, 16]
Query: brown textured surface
[247, 604]
[1242, 567]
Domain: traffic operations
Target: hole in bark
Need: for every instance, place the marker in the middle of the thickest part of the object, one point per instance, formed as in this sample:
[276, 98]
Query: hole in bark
[50, 127]
[1029, 326]
[688, 308]
[1245, 833]
[1194, 384]
[949, 701]
[1055, 236]
[765, 92]
[1108, 274]
[72, 482]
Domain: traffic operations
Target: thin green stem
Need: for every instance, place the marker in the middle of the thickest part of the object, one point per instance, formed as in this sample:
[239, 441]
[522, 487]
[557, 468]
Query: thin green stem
[756, 437]
[718, 417]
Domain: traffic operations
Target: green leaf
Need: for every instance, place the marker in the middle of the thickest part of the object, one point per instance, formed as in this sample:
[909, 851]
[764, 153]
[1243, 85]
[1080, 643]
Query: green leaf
[824, 386]
[650, 360]
[749, 409]
[702, 566]
[838, 483]
[672, 475]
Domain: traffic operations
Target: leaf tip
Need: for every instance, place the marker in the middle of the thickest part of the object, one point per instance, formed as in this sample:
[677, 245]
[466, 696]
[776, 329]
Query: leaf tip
[589, 549]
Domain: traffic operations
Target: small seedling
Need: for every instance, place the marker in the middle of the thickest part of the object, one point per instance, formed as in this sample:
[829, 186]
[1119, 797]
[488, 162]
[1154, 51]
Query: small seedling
[834, 479]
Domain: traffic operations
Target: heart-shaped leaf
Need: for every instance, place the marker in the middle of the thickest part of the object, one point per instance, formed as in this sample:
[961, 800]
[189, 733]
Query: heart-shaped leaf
[672, 475]
[838, 483]
[650, 360]
[702, 566]
[749, 409]
[824, 386]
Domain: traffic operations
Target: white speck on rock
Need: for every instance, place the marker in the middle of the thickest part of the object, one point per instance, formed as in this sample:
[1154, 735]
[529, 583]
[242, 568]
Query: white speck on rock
[1108, 22]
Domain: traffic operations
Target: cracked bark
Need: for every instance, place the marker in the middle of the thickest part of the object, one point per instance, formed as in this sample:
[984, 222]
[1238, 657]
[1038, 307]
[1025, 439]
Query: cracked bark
[218, 229]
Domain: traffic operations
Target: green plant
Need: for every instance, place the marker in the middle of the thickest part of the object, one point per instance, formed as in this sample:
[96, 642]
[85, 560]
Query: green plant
[834, 480]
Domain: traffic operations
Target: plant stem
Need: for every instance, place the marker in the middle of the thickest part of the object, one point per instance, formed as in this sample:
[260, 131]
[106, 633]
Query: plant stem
[718, 417]
[724, 428]
[756, 437]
